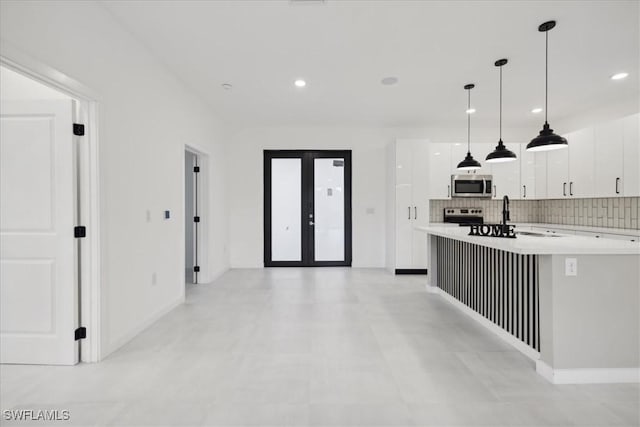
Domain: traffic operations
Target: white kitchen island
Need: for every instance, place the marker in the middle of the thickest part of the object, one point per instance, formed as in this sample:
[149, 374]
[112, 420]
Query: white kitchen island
[570, 302]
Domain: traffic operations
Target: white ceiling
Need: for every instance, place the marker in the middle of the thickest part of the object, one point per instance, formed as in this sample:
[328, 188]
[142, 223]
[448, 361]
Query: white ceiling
[344, 48]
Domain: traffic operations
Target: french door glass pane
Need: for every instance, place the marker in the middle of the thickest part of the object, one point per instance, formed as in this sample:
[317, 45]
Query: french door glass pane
[286, 205]
[328, 178]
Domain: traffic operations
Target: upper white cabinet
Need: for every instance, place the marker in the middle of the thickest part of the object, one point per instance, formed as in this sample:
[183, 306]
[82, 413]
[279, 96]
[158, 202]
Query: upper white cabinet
[610, 164]
[581, 164]
[631, 175]
[558, 172]
[439, 170]
[600, 161]
[617, 155]
[527, 163]
[570, 170]
[540, 174]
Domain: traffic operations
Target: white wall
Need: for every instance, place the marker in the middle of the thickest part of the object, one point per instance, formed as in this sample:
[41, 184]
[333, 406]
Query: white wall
[146, 116]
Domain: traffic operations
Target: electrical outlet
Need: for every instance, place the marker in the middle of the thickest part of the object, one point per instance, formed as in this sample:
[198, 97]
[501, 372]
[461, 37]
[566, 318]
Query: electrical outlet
[570, 267]
[154, 279]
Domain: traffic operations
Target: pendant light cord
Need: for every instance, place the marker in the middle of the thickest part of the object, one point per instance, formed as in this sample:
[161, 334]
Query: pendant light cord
[501, 103]
[469, 122]
[546, 75]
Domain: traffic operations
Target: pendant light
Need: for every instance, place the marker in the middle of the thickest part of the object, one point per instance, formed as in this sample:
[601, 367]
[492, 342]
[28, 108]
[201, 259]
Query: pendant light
[547, 140]
[501, 153]
[469, 163]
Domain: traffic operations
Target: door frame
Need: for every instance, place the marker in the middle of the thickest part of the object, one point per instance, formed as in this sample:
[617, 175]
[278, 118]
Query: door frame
[89, 271]
[202, 239]
[307, 188]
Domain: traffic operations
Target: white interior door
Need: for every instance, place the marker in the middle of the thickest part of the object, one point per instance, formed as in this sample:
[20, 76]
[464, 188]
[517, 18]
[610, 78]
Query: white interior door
[38, 284]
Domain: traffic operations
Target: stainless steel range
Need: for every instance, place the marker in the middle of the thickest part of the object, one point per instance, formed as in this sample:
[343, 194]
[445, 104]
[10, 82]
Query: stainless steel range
[463, 216]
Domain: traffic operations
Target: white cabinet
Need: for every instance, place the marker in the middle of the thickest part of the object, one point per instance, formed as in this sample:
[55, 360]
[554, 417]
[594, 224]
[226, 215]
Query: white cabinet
[411, 205]
[570, 170]
[609, 150]
[439, 165]
[527, 164]
[581, 164]
[631, 175]
[541, 175]
[617, 156]
[558, 172]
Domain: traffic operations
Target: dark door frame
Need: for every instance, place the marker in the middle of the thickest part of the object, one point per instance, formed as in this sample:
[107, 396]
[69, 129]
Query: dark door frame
[307, 189]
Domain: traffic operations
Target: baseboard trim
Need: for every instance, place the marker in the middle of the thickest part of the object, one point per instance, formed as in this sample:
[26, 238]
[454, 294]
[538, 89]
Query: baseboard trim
[411, 271]
[588, 376]
[523, 348]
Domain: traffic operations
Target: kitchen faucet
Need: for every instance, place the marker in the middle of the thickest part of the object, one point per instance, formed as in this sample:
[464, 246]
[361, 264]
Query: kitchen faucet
[505, 212]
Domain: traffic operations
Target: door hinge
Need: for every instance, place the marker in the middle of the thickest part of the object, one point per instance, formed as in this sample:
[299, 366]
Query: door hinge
[80, 333]
[196, 219]
[79, 231]
[196, 169]
[78, 129]
[196, 268]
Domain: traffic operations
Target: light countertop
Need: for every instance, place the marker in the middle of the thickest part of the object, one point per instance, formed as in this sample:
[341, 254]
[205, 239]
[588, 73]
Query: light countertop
[564, 244]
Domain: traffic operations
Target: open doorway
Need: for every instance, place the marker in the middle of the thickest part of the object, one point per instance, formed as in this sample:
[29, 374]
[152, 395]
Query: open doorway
[191, 216]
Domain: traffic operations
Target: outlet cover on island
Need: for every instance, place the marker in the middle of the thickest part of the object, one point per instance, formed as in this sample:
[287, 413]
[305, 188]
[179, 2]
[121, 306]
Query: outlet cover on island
[570, 267]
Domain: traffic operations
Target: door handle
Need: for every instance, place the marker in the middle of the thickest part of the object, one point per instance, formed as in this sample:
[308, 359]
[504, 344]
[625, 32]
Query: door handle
[524, 189]
[448, 191]
[564, 188]
[409, 211]
[495, 191]
[415, 212]
[571, 188]
[617, 188]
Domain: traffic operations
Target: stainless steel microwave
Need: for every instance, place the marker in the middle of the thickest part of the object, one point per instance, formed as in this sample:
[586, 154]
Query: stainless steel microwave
[471, 186]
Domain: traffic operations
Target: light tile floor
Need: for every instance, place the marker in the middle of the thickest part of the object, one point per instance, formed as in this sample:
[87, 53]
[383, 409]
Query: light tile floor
[325, 347]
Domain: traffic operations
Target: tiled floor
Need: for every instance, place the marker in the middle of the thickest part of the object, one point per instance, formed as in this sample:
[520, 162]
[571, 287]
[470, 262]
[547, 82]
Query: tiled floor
[332, 346]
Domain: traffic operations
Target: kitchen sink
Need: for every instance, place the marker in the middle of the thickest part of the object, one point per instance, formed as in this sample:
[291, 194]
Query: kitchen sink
[534, 234]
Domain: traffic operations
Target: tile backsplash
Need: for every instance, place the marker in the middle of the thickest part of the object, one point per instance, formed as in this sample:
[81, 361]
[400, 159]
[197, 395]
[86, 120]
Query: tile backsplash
[619, 212]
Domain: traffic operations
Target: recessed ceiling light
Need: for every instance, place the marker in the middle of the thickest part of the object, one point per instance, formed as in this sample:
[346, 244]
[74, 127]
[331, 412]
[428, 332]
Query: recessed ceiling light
[388, 81]
[536, 110]
[300, 83]
[226, 86]
[471, 110]
[619, 76]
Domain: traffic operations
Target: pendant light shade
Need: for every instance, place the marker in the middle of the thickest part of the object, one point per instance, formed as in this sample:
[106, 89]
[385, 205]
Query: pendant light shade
[501, 154]
[469, 163]
[546, 140]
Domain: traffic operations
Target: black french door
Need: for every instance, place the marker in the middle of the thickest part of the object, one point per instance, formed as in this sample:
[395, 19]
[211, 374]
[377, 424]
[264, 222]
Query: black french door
[307, 208]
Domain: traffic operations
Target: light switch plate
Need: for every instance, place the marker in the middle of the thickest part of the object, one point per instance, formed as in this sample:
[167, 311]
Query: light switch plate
[570, 267]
